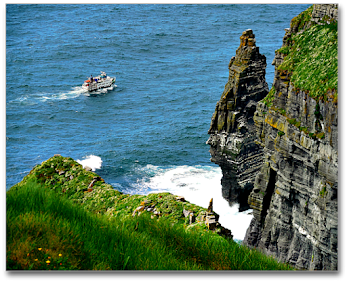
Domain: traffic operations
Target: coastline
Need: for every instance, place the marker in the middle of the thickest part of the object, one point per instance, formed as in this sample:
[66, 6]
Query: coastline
[64, 217]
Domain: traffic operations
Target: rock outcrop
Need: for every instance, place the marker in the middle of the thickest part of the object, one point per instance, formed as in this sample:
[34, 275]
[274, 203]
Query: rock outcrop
[232, 127]
[327, 13]
[194, 217]
[294, 199]
[295, 188]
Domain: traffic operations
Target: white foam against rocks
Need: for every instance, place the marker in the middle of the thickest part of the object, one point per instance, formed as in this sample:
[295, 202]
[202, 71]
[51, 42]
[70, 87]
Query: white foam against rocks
[94, 162]
[197, 184]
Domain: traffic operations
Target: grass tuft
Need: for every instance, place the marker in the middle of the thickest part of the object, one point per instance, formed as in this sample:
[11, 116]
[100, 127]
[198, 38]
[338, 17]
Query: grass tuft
[311, 57]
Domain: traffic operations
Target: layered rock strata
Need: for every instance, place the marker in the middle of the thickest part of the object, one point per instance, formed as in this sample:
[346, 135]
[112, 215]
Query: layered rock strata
[325, 12]
[287, 151]
[294, 199]
[232, 129]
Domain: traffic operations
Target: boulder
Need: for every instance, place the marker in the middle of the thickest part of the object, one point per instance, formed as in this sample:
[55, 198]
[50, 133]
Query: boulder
[180, 198]
[138, 210]
[211, 222]
[87, 168]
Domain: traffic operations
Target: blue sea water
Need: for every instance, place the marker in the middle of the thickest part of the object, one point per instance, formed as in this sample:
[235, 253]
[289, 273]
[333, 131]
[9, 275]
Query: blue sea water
[149, 133]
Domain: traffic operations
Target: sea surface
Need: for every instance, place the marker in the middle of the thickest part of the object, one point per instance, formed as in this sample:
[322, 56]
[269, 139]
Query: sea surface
[148, 134]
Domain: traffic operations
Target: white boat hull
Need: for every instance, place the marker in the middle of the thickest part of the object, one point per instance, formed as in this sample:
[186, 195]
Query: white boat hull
[98, 83]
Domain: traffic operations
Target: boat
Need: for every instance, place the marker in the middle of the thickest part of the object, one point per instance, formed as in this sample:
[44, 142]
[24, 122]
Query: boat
[99, 82]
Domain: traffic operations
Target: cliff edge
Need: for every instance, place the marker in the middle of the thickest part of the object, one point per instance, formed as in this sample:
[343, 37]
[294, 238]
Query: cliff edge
[294, 199]
[295, 187]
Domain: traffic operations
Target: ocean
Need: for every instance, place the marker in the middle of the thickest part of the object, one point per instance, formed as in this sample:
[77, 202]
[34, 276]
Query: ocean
[149, 133]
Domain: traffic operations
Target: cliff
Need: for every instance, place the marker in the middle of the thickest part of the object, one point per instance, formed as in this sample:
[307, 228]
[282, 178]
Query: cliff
[294, 194]
[232, 127]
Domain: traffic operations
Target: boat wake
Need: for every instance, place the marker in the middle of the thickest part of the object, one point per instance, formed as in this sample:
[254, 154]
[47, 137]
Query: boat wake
[75, 92]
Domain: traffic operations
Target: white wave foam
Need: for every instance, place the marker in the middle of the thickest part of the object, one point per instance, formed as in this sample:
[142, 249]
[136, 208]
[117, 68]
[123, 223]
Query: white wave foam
[23, 100]
[74, 93]
[94, 162]
[197, 184]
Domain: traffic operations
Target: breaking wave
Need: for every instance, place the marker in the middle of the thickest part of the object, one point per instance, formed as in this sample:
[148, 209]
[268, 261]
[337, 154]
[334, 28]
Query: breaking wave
[94, 162]
[197, 184]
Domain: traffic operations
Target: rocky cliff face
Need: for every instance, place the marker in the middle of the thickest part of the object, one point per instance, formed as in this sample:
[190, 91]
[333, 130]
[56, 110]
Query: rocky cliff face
[294, 194]
[294, 199]
[232, 127]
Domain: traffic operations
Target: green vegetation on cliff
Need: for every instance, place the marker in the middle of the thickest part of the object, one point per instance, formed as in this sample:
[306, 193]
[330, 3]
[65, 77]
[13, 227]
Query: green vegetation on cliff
[68, 178]
[57, 220]
[311, 56]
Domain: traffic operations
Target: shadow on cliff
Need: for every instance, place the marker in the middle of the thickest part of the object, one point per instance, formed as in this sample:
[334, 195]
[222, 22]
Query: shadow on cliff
[236, 195]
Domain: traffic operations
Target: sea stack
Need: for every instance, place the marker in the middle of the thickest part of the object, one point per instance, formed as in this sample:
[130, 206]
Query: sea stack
[232, 131]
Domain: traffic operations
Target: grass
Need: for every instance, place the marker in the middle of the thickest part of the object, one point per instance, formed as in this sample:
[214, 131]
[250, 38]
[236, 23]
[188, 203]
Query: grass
[311, 57]
[49, 230]
[269, 98]
[101, 198]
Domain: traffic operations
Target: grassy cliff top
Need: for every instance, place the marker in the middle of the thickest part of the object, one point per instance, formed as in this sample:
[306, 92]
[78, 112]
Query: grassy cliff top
[69, 179]
[311, 55]
[57, 220]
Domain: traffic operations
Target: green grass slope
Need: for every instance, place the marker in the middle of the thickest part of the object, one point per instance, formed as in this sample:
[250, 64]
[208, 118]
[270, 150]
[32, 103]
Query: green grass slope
[54, 223]
[310, 54]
